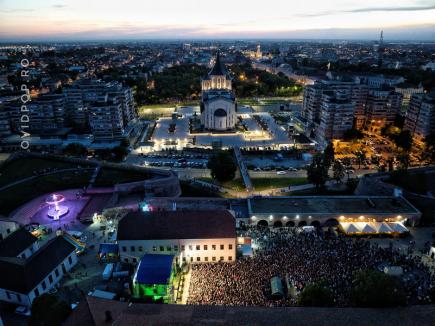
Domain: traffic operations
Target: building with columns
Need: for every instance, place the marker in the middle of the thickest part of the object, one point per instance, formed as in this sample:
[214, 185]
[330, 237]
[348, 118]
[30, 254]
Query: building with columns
[218, 103]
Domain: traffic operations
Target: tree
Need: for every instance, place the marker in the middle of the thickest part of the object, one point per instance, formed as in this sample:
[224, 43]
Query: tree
[125, 142]
[404, 140]
[49, 310]
[317, 171]
[404, 161]
[316, 294]
[338, 170]
[222, 166]
[352, 134]
[75, 149]
[361, 156]
[376, 289]
[329, 154]
[430, 146]
[119, 152]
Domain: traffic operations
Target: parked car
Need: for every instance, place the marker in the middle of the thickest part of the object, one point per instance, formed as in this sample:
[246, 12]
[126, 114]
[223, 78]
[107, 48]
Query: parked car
[23, 311]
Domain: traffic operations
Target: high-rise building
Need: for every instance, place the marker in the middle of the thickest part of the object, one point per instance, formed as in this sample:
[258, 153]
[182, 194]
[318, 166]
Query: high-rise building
[420, 117]
[382, 107]
[84, 92]
[105, 119]
[336, 116]
[355, 91]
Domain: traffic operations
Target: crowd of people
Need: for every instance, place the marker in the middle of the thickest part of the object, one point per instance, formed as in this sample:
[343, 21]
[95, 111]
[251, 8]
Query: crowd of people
[302, 259]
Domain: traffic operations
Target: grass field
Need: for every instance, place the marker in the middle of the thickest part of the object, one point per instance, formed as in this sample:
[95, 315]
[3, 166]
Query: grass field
[16, 196]
[258, 183]
[24, 167]
[110, 176]
[272, 183]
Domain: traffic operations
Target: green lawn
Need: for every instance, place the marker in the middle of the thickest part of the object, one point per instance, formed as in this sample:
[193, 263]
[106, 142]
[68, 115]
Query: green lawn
[16, 196]
[235, 184]
[24, 167]
[110, 176]
[272, 183]
[259, 183]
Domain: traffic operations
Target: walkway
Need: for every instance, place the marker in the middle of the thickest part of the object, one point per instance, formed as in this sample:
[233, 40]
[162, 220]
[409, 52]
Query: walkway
[243, 170]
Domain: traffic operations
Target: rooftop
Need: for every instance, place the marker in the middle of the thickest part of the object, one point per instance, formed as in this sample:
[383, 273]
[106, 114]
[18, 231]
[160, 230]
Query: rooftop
[330, 204]
[154, 269]
[22, 275]
[212, 224]
[91, 311]
[16, 243]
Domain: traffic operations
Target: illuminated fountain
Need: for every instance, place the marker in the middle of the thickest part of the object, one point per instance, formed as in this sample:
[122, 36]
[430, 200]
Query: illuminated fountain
[56, 211]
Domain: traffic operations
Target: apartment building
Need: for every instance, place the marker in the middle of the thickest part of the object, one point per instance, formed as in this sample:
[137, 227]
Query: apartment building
[106, 119]
[420, 116]
[336, 116]
[382, 107]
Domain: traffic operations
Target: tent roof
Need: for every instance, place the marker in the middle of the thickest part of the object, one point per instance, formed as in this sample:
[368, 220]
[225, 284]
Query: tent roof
[368, 229]
[398, 227]
[154, 269]
[383, 227]
[352, 228]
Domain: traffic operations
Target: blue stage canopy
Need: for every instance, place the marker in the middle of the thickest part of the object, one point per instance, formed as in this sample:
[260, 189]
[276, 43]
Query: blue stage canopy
[154, 269]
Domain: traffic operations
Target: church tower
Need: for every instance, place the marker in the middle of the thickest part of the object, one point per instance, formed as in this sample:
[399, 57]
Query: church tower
[218, 77]
[218, 103]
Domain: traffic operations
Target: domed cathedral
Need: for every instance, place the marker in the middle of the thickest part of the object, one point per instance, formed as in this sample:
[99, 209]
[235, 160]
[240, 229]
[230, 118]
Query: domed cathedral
[218, 103]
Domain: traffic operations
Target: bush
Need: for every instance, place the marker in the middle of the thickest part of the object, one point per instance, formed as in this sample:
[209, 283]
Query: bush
[317, 295]
[48, 310]
[376, 289]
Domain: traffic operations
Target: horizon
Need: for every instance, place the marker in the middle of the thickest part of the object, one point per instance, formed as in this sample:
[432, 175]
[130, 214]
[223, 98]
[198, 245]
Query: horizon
[402, 20]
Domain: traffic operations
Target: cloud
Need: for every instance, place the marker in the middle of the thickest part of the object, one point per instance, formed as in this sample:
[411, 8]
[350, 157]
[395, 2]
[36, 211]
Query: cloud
[371, 9]
[59, 6]
[12, 11]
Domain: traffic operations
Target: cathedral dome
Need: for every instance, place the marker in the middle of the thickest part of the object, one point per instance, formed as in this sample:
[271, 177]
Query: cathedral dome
[220, 113]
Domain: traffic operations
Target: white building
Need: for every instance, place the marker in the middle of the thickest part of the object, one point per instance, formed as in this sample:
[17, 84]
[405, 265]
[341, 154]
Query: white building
[24, 279]
[7, 227]
[218, 103]
[20, 244]
[192, 236]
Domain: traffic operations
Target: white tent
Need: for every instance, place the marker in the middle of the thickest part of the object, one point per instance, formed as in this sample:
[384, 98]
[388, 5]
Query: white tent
[352, 229]
[384, 228]
[368, 229]
[398, 227]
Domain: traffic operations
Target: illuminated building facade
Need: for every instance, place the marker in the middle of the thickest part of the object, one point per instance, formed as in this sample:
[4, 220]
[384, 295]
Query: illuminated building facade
[218, 103]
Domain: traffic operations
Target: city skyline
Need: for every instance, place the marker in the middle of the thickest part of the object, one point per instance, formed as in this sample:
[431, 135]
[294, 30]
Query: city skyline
[79, 20]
